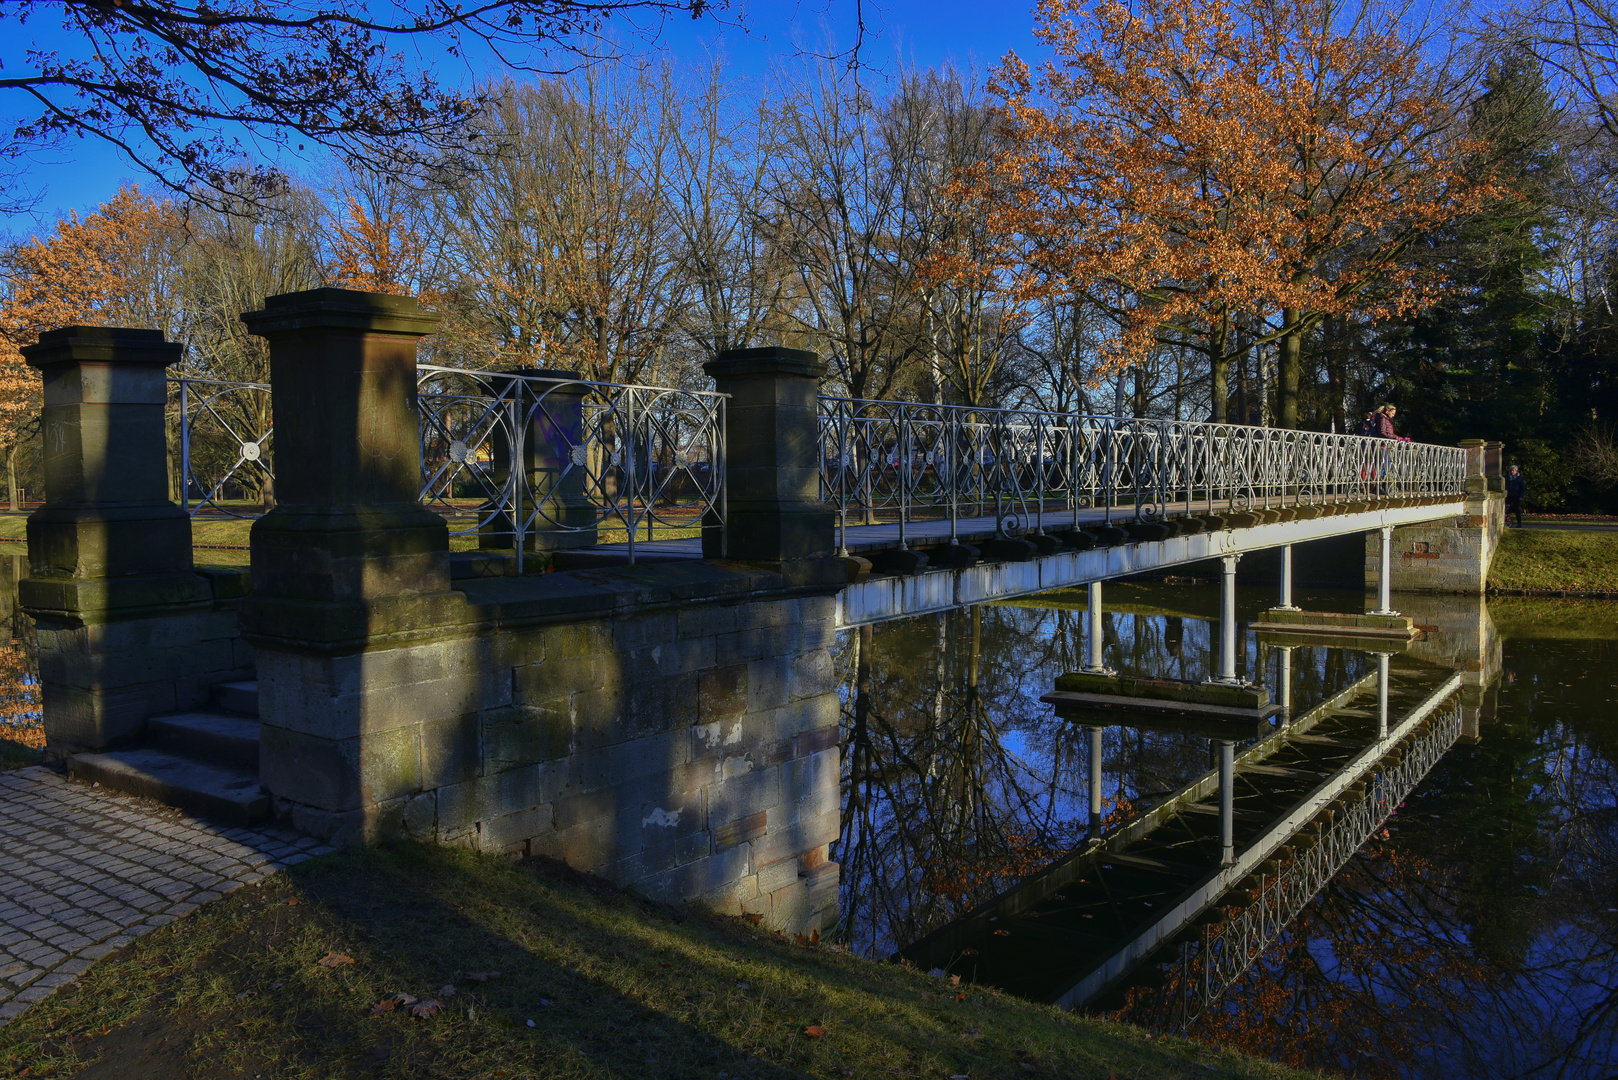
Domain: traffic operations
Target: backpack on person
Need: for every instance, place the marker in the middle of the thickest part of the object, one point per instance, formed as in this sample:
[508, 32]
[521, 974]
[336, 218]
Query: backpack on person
[1366, 428]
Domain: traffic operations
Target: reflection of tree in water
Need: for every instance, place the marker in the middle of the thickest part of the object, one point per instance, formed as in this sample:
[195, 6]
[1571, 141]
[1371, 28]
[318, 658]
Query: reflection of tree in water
[958, 781]
[939, 812]
[1479, 936]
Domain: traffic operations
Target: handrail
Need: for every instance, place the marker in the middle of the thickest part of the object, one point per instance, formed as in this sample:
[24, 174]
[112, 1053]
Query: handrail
[1032, 469]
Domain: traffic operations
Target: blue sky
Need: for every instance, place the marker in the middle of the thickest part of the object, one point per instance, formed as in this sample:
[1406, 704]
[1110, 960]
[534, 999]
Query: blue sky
[83, 173]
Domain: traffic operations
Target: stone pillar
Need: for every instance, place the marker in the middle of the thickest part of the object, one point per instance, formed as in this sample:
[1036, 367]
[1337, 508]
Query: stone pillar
[1450, 554]
[125, 624]
[349, 569]
[772, 458]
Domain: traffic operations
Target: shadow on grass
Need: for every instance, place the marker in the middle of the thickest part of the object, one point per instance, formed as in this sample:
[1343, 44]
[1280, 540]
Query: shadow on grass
[611, 986]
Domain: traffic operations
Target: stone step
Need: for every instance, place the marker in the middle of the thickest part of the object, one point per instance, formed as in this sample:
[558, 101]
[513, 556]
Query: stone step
[226, 795]
[212, 738]
[237, 697]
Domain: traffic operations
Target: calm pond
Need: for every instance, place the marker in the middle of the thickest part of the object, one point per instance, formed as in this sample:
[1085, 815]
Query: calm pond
[1475, 935]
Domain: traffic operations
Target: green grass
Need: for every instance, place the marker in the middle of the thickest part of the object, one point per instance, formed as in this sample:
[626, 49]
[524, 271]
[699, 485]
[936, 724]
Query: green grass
[1565, 560]
[593, 983]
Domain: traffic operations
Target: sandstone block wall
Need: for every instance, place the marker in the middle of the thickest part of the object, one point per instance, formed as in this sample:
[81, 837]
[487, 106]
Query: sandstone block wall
[102, 676]
[687, 750]
[1450, 555]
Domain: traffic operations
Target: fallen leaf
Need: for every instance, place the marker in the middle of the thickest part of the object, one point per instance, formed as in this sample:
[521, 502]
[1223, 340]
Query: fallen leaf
[421, 1010]
[1002, 933]
[391, 1002]
[294, 902]
[335, 959]
[482, 976]
[960, 997]
[955, 980]
[446, 990]
[754, 917]
[814, 1031]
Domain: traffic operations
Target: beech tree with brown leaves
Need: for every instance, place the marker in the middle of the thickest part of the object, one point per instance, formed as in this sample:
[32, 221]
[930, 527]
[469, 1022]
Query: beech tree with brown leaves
[117, 266]
[1191, 161]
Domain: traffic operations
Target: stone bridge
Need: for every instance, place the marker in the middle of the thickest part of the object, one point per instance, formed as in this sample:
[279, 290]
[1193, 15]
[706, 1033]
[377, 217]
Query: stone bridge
[670, 724]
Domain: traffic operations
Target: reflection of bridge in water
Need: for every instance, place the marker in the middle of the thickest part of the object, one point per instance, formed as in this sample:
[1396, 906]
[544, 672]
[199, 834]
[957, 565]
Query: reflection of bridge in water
[1203, 884]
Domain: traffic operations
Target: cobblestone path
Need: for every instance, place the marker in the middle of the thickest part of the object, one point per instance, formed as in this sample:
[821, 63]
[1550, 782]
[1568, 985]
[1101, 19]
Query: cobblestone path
[84, 871]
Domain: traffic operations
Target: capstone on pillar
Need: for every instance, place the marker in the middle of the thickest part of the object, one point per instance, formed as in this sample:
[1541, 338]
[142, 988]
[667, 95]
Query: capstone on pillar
[127, 628]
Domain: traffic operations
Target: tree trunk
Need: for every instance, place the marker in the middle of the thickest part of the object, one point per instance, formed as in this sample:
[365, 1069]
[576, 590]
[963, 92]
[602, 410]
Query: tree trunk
[1290, 355]
[1333, 348]
[11, 475]
[1243, 414]
[1219, 374]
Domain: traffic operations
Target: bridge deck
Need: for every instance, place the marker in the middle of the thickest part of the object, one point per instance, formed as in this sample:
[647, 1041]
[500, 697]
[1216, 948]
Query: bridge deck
[864, 539]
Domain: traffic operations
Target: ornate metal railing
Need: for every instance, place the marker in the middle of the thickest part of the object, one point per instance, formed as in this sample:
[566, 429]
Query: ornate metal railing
[225, 431]
[1224, 950]
[551, 459]
[1030, 470]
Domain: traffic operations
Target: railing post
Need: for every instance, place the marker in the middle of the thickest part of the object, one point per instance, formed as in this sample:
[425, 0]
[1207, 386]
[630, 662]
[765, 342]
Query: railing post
[772, 475]
[109, 554]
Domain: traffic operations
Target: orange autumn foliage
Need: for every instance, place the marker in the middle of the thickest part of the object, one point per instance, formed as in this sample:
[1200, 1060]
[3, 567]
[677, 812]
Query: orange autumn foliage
[1191, 161]
[110, 268]
[377, 252]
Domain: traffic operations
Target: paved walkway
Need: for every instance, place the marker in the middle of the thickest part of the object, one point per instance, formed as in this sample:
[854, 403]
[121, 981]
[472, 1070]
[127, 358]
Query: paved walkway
[84, 871]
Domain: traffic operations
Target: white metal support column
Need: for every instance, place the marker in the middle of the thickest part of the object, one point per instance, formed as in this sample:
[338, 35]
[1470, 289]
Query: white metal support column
[1284, 677]
[1095, 781]
[1227, 801]
[1382, 695]
[1226, 672]
[1384, 577]
[1286, 579]
[1095, 666]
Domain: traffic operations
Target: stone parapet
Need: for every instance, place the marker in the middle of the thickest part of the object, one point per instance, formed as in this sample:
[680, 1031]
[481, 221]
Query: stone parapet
[672, 727]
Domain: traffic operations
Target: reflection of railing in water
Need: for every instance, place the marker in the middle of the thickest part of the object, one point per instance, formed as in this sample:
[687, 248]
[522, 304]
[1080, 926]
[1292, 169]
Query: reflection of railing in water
[1079, 931]
[1226, 949]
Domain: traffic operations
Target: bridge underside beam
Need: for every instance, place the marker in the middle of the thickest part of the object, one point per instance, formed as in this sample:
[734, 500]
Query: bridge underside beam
[878, 599]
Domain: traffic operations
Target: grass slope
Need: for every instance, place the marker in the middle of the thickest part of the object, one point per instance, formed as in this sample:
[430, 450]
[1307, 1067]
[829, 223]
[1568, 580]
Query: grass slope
[1567, 560]
[593, 983]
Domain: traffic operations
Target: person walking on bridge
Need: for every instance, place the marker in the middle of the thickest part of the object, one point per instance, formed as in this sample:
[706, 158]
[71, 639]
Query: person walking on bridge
[1384, 423]
[1516, 488]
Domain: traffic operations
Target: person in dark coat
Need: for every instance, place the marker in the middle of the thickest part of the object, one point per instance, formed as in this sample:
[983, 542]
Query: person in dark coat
[1516, 488]
[1384, 423]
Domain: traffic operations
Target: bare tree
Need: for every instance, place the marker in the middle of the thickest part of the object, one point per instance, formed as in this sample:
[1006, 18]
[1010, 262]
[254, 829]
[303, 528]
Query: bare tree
[715, 194]
[178, 86]
[843, 186]
[556, 247]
